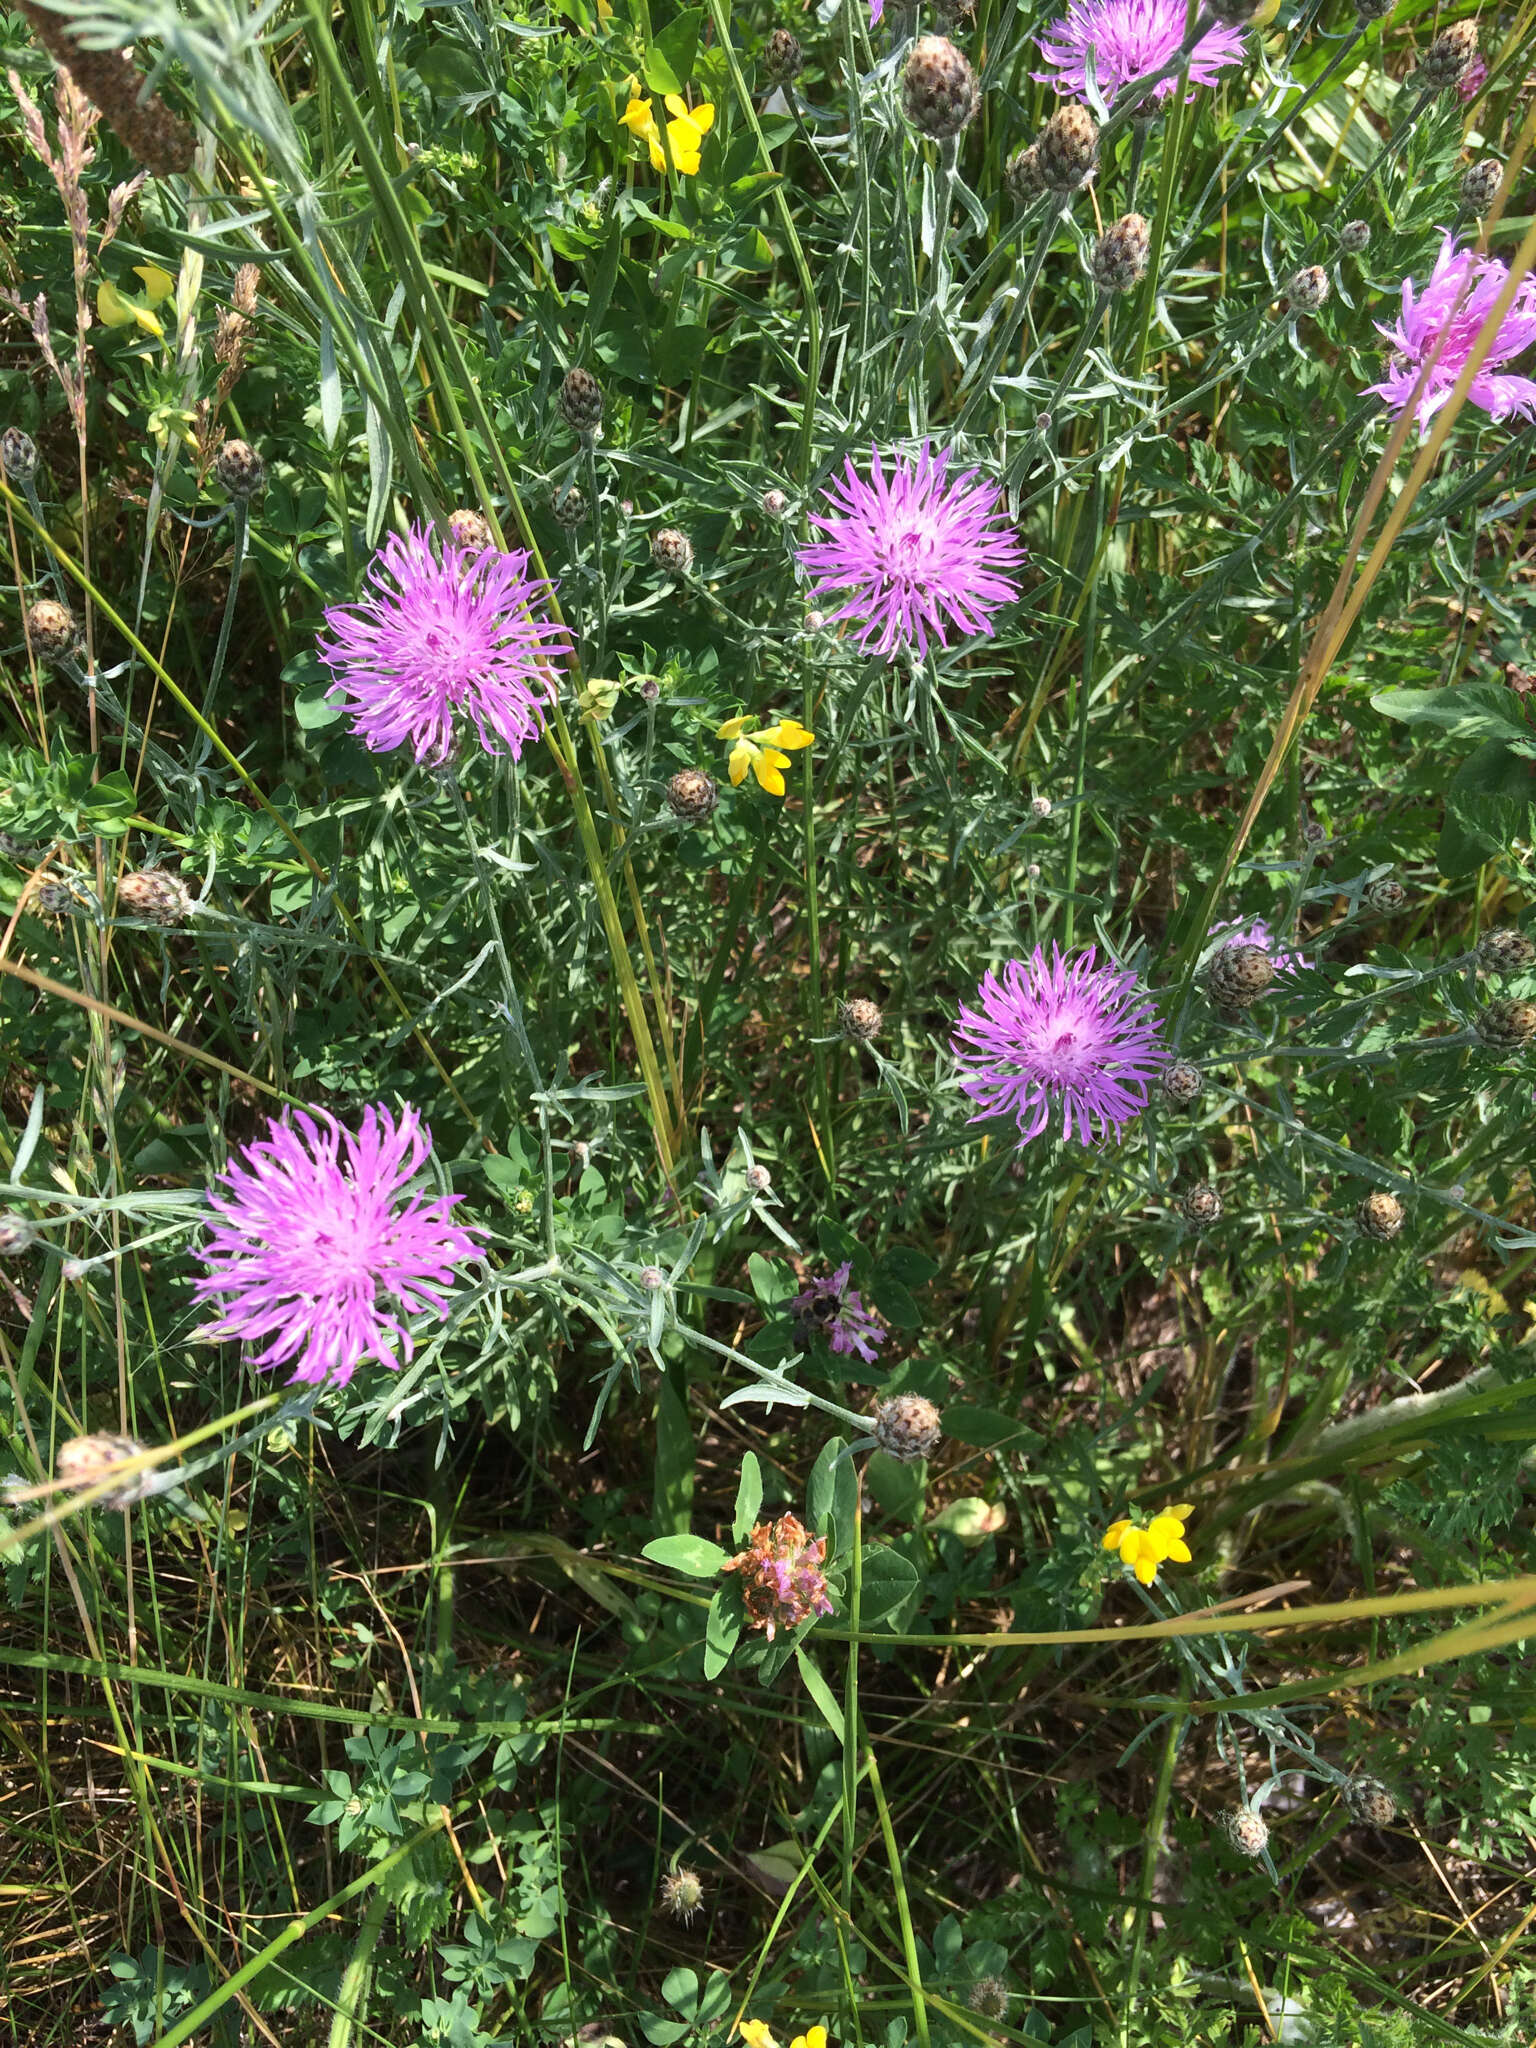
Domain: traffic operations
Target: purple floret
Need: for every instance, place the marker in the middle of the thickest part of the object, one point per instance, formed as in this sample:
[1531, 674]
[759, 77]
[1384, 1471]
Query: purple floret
[449, 641]
[317, 1244]
[918, 552]
[1057, 1042]
[1130, 39]
[837, 1311]
[1442, 320]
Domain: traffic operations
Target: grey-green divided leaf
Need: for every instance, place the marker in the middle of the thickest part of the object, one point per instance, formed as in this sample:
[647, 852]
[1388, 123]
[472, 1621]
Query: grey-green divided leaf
[1468, 711]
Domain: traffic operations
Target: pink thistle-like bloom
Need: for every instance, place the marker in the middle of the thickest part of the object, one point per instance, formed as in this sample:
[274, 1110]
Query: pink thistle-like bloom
[1472, 80]
[1257, 933]
[836, 1310]
[1056, 1041]
[917, 549]
[782, 1583]
[447, 638]
[1131, 39]
[318, 1243]
[1452, 310]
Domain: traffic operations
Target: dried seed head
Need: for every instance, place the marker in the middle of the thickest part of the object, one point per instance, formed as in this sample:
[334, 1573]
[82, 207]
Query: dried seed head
[907, 1427]
[469, 529]
[580, 403]
[18, 456]
[1355, 236]
[51, 629]
[860, 1019]
[1386, 894]
[1200, 1205]
[1067, 149]
[1381, 1216]
[681, 1894]
[240, 469]
[1308, 289]
[1449, 56]
[155, 896]
[568, 507]
[1246, 1831]
[989, 1997]
[1480, 184]
[939, 90]
[16, 1234]
[87, 1460]
[775, 504]
[1023, 177]
[1182, 1084]
[783, 58]
[671, 551]
[1370, 1802]
[1506, 1026]
[1239, 975]
[1504, 950]
[1120, 255]
[144, 125]
[758, 1178]
[692, 795]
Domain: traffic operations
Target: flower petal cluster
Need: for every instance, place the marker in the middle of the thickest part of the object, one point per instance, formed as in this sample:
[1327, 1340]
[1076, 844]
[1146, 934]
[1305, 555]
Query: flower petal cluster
[1145, 1549]
[1257, 933]
[1073, 1043]
[761, 748]
[447, 637]
[1130, 40]
[919, 552]
[686, 130]
[782, 1583]
[116, 309]
[836, 1311]
[318, 1247]
[1443, 321]
[757, 2034]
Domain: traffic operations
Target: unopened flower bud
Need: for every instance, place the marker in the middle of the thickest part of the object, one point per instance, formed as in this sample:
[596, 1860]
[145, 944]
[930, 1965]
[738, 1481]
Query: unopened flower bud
[154, 896]
[652, 1279]
[1238, 975]
[1355, 237]
[1023, 176]
[568, 507]
[908, 1427]
[1370, 1802]
[672, 551]
[16, 1234]
[758, 1178]
[1381, 1216]
[1040, 806]
[51, 629]
[1504, 950]
[860, 1019]
[1067, 148]
[1119, 256]
[470, 529]
[1182, 1083]
[1448, 56]
[939, 90]
[1480, 184]
[1506, 1026]
[18, 456]
[783, 57]
[1308, 289]
[1200, 1205]
[240, 469]
[775, 504]
[1373, 10]
[1246, 1831]
[580, 403]
[650, 690]
[84, 1461]
[692, 795]
[1386, 894]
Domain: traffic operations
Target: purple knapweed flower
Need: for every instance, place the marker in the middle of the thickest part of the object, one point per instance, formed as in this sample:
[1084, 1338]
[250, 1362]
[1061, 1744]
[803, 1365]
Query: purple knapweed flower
[447, 638]
[837, 1311]
[1443, 322]
[1131, 39]
[916, 549]
[876, 9]
[1472, 80]
[1257, 933]
[782, 1582]
[317, 1243]
[1052, 1040]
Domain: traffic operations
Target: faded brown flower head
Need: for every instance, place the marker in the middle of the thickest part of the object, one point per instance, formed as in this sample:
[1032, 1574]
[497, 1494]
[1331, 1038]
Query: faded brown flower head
[51, 629]
[155, 896]
[782, 1583]
[908, 1427]
[88, 1460]
[1370, 1802]
[682, 1894]
[469, 529]
[860, 1019]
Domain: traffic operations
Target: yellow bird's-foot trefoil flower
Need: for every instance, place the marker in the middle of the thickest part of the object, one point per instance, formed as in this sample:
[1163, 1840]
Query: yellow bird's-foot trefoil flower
[686, 130]
[116, 309]
[1144, 1549]
[762, 749]
[757, 2035]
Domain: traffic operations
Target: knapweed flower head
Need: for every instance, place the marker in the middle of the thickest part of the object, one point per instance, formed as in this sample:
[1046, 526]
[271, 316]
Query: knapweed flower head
[1442, 323]
[836, 1311]
[765, 749]
[1052, 1041]
[686, 130]
[757, 2034]
[1129, 40]
[319, 1248]
[782, 1583]
[1472, 80]
[447, 638]
[1144, 1549]
[1257, 933]
[918, 552]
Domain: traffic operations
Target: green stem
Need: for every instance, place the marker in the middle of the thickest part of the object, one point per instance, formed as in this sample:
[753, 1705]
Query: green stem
[851, 1706]
[352, 1999]
[1152, 1837]
[827, 1146]
[903, 1909]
